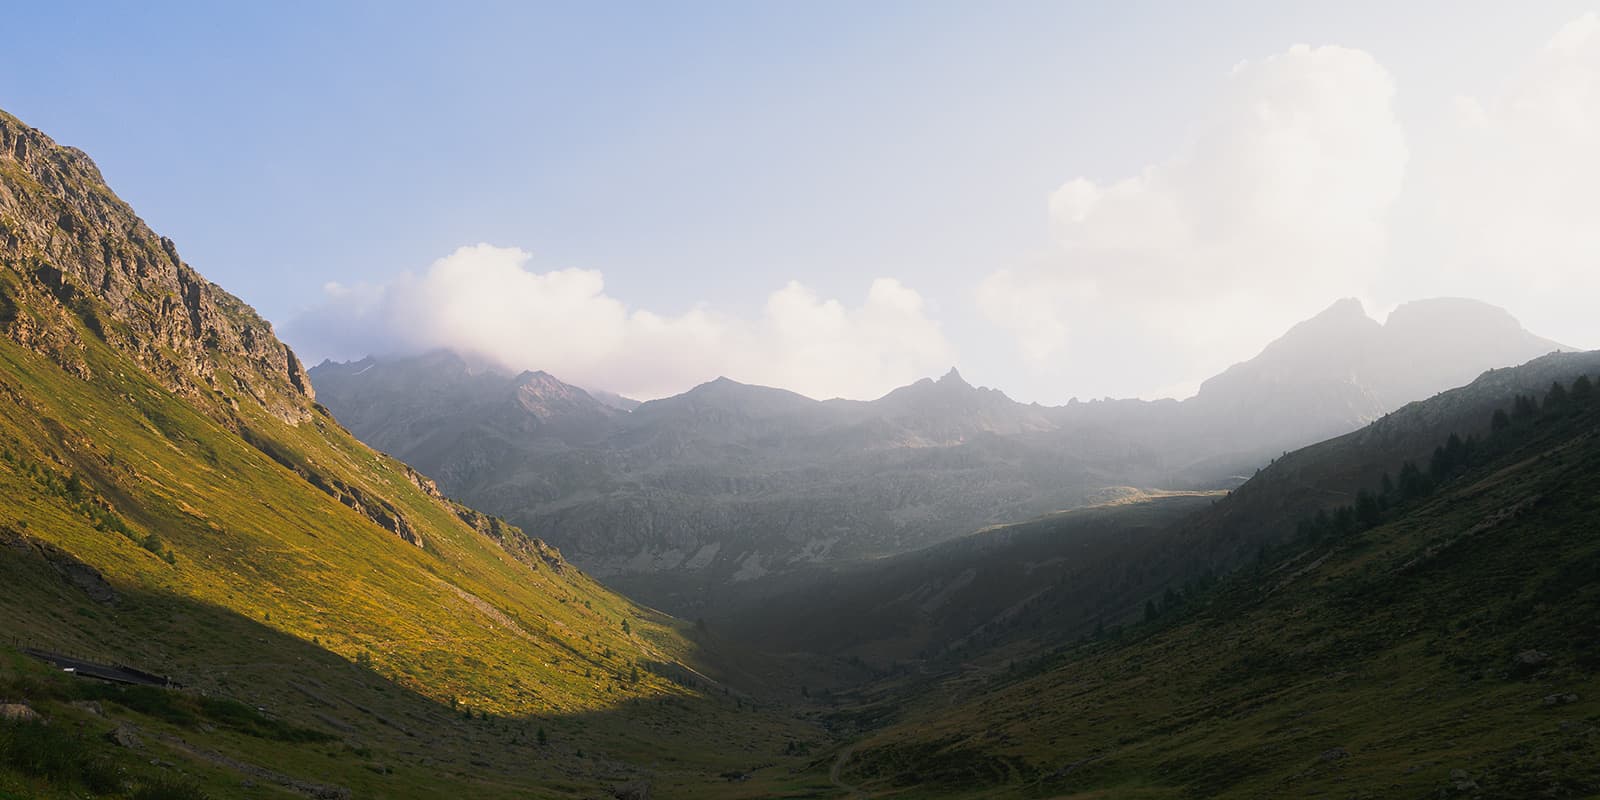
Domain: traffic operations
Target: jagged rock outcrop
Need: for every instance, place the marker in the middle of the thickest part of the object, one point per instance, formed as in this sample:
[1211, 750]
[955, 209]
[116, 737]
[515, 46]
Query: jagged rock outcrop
[66, 239]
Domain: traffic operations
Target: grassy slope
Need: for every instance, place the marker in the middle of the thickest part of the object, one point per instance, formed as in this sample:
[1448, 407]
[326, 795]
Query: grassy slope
[1382, 665]
[277, 588]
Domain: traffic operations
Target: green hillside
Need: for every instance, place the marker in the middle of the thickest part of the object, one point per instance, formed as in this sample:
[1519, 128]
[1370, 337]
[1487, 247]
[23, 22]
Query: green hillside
[172, 498]
[1449, 650]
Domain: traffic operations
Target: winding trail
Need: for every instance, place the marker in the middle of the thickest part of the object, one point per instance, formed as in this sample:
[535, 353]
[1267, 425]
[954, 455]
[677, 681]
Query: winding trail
[835, 771]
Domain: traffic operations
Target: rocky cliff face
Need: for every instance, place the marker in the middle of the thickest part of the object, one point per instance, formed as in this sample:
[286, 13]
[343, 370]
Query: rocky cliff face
[78, 265]
[67, 240]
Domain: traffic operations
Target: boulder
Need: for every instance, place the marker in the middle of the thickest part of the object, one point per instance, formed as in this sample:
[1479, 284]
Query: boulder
[125, 735]
[1531, 658]
[19, 712]
[633, 790]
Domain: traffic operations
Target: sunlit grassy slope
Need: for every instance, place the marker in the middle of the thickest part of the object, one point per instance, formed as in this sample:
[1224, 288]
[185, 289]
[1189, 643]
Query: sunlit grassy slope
[244, 580]
[172, 499]
[277, 594]
[1450, 651]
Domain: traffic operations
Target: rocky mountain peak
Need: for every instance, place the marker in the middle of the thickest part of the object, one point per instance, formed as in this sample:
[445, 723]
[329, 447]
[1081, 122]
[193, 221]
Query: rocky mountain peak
[76, 261]
[953, 379]
[546, 396]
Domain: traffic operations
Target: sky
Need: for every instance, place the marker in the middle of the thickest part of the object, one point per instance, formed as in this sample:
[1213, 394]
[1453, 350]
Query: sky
[1061, 199]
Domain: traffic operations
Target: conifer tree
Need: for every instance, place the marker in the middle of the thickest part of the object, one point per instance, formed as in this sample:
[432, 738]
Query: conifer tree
[1523, 407]
[1500, 421]
[1556, 399]
[1368, 515]
[1582, 389]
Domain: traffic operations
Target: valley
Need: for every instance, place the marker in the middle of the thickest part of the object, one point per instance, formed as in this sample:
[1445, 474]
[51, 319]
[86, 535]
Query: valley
[1362, 563]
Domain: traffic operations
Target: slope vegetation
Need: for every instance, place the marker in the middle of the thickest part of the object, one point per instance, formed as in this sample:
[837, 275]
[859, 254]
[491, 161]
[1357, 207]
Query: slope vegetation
[172, 498]
[1436, 639]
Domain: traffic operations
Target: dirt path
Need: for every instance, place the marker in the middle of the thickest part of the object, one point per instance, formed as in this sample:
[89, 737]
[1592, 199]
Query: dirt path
[837, 769]
[316, 791]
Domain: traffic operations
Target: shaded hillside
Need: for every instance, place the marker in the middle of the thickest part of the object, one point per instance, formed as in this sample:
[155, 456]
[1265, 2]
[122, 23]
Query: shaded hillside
[172, 498]
[1018, 588]
[1038, 581]
[705, 499]
[1446, 645]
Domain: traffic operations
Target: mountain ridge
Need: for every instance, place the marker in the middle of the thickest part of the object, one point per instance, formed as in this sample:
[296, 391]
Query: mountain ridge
[701, 491]
[74, 237]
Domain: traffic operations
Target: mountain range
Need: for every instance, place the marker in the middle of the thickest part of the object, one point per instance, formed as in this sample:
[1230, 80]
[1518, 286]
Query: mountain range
[685, 499]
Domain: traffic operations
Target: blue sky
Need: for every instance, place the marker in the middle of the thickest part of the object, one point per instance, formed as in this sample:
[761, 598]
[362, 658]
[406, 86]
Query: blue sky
[703, 156]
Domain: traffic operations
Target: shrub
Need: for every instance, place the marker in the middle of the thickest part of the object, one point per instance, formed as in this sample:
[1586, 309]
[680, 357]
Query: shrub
[39, 750]
[168, 787]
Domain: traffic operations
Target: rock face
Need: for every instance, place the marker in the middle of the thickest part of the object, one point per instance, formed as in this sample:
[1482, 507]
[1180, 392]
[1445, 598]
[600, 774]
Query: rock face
[65, 236]
[731, 485]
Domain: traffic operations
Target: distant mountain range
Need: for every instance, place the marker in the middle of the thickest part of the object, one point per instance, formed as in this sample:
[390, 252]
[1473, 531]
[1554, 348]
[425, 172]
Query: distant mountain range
[1049, 579]
[686, 496]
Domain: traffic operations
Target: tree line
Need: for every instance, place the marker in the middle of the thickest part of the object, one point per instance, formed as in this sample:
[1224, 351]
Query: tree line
[1449, 460]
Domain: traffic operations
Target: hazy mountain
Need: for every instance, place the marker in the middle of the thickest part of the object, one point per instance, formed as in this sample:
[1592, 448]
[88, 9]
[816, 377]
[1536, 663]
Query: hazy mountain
[729, 483]
[614, 400]
[723, 484]
[1340, 368]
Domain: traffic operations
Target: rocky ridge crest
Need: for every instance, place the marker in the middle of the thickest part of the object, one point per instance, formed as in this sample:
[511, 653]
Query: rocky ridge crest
[75, 260]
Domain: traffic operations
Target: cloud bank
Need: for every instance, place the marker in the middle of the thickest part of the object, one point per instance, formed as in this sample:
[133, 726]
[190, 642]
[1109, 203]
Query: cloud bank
[1516, 188]
[1274, 207]
[1300, 185]
[484, 301]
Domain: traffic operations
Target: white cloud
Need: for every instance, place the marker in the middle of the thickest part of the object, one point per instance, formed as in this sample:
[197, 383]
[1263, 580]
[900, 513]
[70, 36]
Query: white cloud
[1514, 190]
[484, 301]
[1275, 207]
